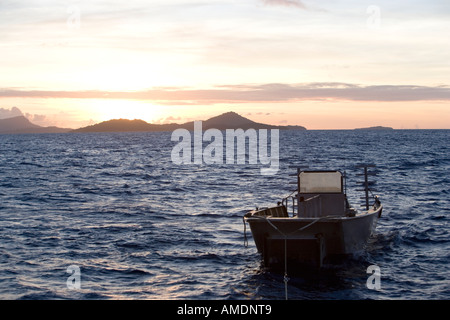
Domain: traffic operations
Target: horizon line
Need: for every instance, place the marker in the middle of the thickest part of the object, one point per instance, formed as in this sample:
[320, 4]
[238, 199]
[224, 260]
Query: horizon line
[369, 128]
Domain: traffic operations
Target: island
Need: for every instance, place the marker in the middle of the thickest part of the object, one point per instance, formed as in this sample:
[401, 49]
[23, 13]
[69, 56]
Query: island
[20, 125]
[375, 128]
[228, 120]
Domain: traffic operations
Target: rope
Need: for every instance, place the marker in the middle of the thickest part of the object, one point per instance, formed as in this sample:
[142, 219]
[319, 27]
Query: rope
[286, 278]
[245, 233]
[297, 230]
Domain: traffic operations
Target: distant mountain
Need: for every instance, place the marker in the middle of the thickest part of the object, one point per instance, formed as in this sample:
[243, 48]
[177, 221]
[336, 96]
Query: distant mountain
[232, 120]
[375, 128]
[20, 124]
[229, 120]
[125, 125]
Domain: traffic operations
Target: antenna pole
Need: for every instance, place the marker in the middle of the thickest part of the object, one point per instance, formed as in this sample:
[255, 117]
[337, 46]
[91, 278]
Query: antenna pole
[366, 187]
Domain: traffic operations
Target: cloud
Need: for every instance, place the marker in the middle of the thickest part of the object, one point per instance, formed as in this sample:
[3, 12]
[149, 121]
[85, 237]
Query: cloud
[36, 117]
[285, 3]
[244, 93]
[10, 113]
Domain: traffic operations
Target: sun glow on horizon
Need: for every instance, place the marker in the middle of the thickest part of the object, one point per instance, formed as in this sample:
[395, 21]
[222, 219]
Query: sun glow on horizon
[339, 66]
[109, 109]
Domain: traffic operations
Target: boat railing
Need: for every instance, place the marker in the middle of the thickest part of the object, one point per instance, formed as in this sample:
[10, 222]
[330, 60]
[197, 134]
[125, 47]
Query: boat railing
[367, 184]
[316, 206]
[291, 200]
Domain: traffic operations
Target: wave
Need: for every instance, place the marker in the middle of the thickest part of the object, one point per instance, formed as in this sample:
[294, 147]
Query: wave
[139, 226]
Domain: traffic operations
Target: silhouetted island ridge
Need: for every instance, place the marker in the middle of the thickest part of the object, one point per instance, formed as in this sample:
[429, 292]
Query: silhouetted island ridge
[375, 128]
[229, 120]
[20, 125]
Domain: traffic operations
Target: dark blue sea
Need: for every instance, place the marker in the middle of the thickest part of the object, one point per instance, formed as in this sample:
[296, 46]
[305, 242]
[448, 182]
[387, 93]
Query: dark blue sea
[134, 225]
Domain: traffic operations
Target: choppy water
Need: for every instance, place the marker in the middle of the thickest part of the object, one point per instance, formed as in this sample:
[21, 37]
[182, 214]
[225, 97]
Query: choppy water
[140, 227]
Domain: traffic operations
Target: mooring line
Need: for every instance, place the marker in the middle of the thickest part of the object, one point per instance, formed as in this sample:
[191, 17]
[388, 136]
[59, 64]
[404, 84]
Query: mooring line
[286, 278]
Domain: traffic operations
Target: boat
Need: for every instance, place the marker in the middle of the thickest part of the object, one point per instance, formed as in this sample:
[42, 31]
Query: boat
[319, 224]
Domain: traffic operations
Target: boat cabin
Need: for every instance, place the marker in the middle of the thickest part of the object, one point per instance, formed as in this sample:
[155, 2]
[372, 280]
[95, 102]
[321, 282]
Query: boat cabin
[320, 194]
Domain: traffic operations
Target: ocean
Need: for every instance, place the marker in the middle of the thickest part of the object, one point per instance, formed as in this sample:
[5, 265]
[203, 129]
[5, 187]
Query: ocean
[110, 216]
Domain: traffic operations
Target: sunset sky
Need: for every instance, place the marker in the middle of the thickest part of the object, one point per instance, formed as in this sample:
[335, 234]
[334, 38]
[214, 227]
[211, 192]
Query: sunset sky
[321, 64]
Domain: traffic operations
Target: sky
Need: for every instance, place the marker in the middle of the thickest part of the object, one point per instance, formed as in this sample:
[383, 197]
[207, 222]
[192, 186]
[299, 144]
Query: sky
[321, 64]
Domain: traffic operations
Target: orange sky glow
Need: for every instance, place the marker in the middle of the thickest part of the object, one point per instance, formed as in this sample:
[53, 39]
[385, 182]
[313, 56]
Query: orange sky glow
[321, 65]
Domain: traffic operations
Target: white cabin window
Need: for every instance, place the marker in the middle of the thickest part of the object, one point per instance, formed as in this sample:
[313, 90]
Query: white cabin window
[320, 182]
